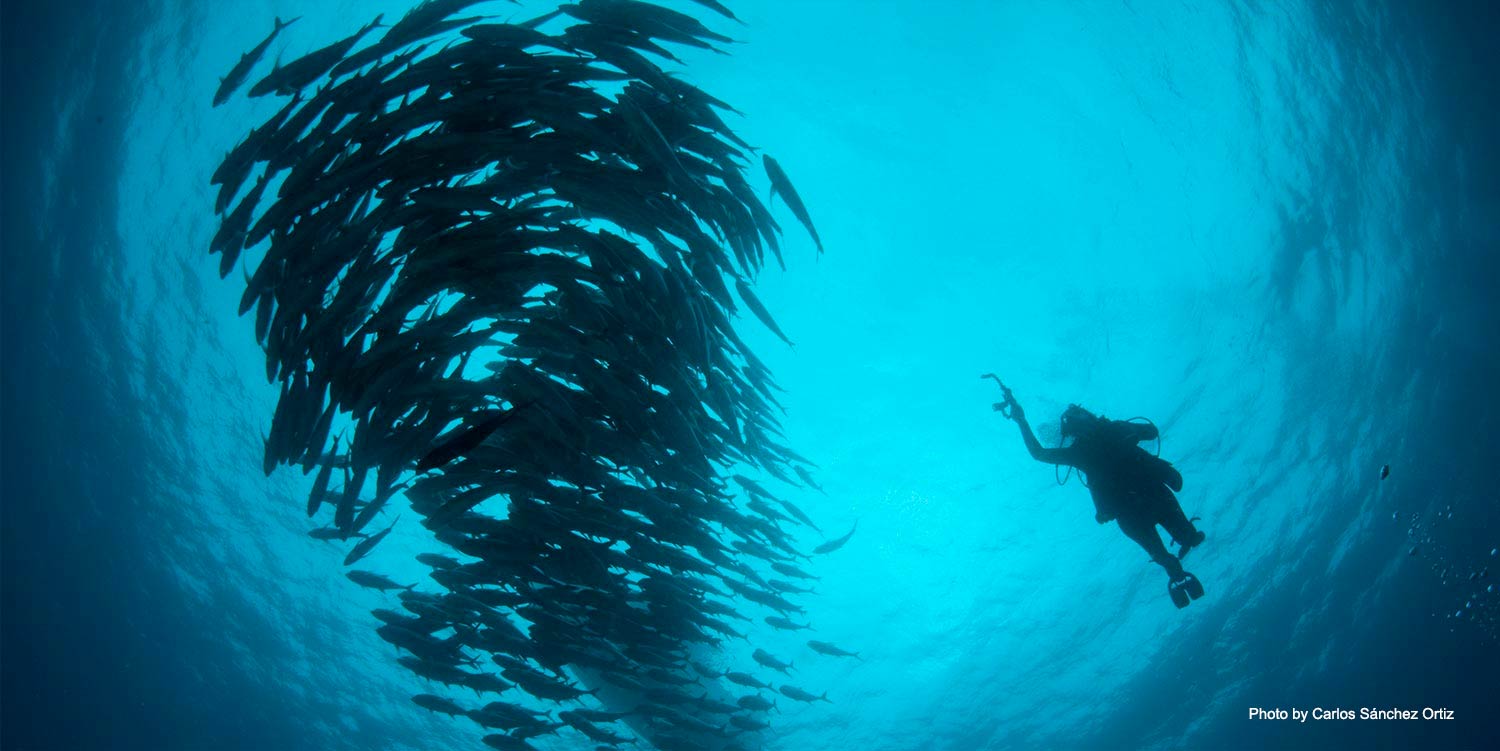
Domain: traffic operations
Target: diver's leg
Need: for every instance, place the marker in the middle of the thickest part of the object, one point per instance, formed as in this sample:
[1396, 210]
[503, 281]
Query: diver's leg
[1176, 522]
[1143, 531]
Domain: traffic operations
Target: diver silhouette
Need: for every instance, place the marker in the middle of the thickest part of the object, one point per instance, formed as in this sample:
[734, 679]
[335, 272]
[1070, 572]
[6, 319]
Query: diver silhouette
[1129, 485]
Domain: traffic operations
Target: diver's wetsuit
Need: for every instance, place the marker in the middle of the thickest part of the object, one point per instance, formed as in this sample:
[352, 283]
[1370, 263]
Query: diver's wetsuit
[1128, 484]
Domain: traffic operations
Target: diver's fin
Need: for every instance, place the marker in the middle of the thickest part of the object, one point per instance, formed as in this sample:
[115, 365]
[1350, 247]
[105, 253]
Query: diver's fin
[1184, 589]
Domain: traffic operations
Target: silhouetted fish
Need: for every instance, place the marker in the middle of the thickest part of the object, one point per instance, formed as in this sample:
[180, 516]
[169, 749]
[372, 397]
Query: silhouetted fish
[363, 547]
[299, 73]
[236, 76]
[465, 441]
[782, 185]
[824, 648]
[832, 545]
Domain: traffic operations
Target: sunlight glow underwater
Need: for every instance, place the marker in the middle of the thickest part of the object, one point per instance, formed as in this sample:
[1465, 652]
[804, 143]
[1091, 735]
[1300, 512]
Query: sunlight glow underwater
[1207, 218]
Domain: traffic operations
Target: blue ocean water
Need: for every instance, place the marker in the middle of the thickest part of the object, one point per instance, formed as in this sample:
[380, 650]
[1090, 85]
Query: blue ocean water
[1270, 227]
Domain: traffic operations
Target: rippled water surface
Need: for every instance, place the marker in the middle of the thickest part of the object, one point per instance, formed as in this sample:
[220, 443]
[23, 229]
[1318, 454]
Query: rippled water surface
[1270, 227]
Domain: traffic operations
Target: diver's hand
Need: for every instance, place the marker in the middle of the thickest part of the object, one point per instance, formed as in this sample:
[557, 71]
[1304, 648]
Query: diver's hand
[1011, 409]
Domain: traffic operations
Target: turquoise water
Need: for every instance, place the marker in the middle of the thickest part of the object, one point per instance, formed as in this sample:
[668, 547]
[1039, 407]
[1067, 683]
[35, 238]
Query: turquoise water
[1270, 227]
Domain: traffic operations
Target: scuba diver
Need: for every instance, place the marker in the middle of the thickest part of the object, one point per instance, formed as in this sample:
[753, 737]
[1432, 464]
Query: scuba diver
[1129, 484]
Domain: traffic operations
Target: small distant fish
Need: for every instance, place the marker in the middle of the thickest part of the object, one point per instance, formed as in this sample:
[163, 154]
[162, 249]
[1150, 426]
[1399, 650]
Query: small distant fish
[832, 545]
[755, 703]
[792, 692]
[1385, 471]
[719, 8]
[785, 624]
[437, 561]
[745, 723]
[464, 442]
[801, 516]
[298, 74]
[320, 485]
[433, 703]
[746, 680]
[374, 581]
[748, 295]
[503, 742]
[765, 659]
[788, 569]
[232, 81]
[752, 486]
[824, 648]
[807, 478]
[363, 547]
[329, 534]
[782, 185]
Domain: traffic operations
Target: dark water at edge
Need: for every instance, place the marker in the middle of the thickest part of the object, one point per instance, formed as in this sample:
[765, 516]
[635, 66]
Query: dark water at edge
[89, 665]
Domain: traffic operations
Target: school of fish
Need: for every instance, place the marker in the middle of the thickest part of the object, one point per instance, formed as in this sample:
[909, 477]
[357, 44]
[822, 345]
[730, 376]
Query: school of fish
[495, 267]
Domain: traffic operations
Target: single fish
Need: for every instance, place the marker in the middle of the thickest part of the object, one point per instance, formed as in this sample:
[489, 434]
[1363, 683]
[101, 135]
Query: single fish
[748, 295]
[824, 648]
[807, 478]
[832, 545]
[320, 485]
[746, 680]
[785, 624]
[232, 81]
[755, 703]
[433, 703]
[719, 8]
[464, 442]
[300, 73]
[329, 534]
[792, 692]
[782, 185]
[766, 659]
[790, 570]
[363, 547]
[374, 581]
[801, 516]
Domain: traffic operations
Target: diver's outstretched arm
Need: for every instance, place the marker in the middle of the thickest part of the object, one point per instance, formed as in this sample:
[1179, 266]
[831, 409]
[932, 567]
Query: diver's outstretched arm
[1063, 455]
